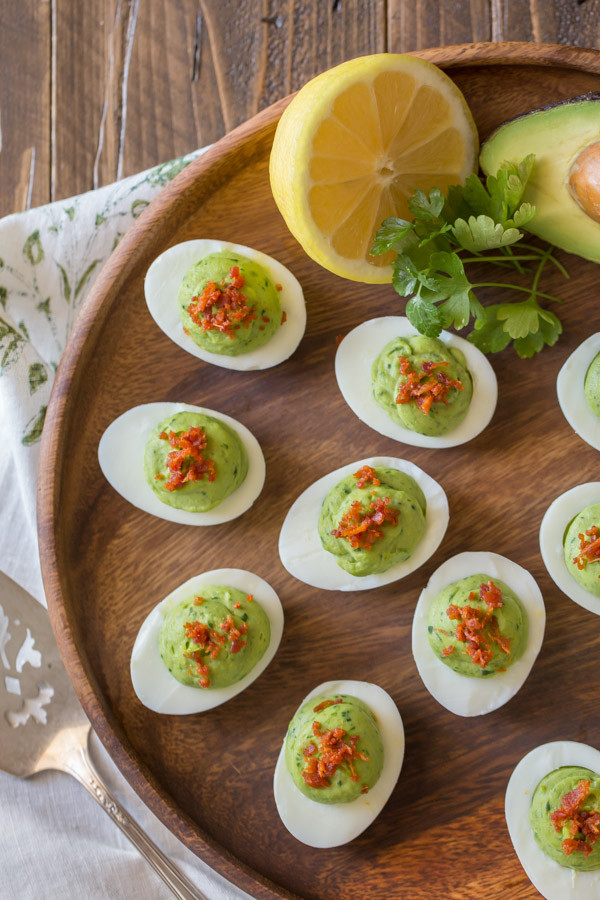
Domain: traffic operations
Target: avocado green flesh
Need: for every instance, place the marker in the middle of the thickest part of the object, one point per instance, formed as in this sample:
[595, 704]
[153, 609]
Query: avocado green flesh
[223, 446]
[398, 542]
[592, 386]
[547, 798]
[227, 668]
[262, 296]
[354, 717]
[589, 576]
[386, 379]
[511, 618]
[556, 136]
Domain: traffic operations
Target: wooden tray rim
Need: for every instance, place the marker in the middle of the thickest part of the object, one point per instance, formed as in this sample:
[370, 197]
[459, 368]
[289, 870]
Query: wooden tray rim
[89, 322]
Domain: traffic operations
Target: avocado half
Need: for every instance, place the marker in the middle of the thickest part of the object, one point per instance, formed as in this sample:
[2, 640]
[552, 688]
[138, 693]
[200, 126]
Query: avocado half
[565, 182]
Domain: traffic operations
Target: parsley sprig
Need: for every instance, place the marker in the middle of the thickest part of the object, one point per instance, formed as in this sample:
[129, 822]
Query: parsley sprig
[477, 223]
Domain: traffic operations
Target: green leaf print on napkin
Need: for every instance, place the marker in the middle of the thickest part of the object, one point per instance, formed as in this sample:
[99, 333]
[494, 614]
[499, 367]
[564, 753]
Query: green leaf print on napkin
[32, 248]
[37, 376]
[11, 344]
[33, 429]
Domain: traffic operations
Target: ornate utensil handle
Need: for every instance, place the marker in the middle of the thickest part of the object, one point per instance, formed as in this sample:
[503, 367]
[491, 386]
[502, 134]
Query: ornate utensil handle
[78, 763]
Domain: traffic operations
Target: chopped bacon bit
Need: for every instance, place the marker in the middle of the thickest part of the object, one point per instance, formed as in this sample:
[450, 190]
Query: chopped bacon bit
[265, 319]
[338, 339]
[364, 475]
[185, 330]
[364, 789]
[249, 598]
[278, 287]
[362, 528]
[222, 308]
[283, 317]
[261, 327]
[210, 642]
[334, 752]
[477, 629]
[159, 477]
[234, 633]
[584, 822]
[198, 600]
[589, 550]
[237, 605]
[327, 703]
[425, 388]
[186, 460]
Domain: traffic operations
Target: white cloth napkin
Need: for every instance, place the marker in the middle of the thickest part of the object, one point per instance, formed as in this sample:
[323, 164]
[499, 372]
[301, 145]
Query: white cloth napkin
[55, 840]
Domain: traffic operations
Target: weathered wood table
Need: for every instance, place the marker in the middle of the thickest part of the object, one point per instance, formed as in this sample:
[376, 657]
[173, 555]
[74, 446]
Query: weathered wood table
[96, 90]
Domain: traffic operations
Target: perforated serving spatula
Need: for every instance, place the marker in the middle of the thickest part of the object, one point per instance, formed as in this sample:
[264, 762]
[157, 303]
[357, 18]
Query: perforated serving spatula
[42, 725]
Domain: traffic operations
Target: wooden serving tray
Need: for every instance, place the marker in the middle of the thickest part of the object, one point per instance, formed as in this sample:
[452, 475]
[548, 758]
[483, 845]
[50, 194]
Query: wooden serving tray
[105, 563]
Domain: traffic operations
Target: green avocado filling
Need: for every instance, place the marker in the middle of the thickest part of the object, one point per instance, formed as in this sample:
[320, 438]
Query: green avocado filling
[215, 638]
[477, 626]
[227, 312]
[414, 381]
[591, 386]
[582, 549]
[565, 817]
[373, 527]
[194, 462]
[329, 765]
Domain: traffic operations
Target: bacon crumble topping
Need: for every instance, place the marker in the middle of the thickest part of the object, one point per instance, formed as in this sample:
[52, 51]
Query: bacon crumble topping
[427, 386]
[334, 751]
[584, 822]
[589, 549]
[478, 629]
[223, 307]
[186, 460]
[210, 643]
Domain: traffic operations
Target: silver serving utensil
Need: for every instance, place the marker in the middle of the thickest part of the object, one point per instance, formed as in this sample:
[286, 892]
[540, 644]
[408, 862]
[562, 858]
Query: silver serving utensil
[42, 725]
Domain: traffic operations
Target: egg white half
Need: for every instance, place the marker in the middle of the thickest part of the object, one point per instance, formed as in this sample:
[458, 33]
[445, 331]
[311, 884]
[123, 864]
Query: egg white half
[153, 683]
[359, 350]
[300, 546]
[552, 531]
[333, 824]
[121, 458]
[161, 288]
[553, 881]
[570, 392]
[460, 694]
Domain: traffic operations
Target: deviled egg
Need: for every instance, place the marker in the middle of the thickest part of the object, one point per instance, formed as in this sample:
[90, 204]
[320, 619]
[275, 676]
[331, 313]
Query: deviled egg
[187, 464]
[570, 545]
[546, 795]
[477, 630]
[578, 390]
[226, 304]
[207, 641]
[428, 392]
[364, 525]
[330, 785]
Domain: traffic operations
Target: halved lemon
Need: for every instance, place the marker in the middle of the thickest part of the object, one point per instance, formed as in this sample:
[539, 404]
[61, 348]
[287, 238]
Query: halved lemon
[354, 144]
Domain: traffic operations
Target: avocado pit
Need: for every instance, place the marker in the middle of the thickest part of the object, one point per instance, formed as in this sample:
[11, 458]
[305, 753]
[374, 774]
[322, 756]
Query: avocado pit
[584, 180]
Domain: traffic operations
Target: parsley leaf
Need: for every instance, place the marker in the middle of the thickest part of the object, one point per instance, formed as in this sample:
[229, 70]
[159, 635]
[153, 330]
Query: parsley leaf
[424, 207]
[390, 232]
[482, 233]
[424, 315]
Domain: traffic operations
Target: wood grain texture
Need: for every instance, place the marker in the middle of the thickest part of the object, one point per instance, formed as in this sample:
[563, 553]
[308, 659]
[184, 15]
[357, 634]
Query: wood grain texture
[105, 564]
[24, 104]
[115, 86]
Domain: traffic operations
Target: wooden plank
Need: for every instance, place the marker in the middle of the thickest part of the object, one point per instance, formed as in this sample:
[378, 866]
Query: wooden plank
[429, 23]
[24, 105]
[266, 50]
[130, 82]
